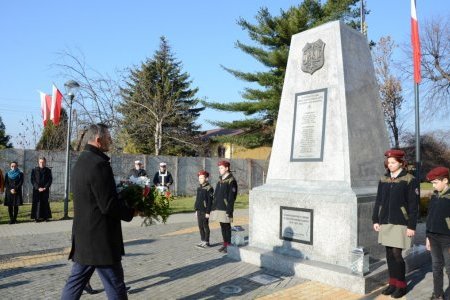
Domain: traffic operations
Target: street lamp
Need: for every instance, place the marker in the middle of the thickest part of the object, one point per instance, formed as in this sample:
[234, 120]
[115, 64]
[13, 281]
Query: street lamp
[71, 88]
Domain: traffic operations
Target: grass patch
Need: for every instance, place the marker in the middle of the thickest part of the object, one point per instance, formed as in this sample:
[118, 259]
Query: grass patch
[179, 205]
[426, 185]
[186, 204]
[57, 208]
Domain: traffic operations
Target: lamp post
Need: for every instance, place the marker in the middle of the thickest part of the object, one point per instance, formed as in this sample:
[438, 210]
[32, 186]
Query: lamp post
[71, 88]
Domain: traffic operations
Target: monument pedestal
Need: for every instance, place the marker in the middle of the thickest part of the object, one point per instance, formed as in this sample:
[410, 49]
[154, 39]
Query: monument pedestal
[327, 158]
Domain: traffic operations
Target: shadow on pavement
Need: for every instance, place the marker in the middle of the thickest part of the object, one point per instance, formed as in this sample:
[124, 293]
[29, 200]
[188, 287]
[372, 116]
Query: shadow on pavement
[179, 273]
[214, 292]
[12, 272]
[138, 242]
[13, 284]
[417, 276]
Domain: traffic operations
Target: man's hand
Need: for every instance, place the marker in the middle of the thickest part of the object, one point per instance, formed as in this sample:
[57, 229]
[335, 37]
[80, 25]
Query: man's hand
[13, 191]
[427, 245]
[207, 216]
[41, 189]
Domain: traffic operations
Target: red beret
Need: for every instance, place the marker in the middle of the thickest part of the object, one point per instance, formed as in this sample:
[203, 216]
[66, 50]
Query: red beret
[438, 172]
[224, 163]
[203, 172]
[395, 153]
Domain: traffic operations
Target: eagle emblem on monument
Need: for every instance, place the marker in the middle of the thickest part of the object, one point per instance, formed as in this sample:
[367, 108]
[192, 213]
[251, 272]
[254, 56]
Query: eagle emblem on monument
[313, 56]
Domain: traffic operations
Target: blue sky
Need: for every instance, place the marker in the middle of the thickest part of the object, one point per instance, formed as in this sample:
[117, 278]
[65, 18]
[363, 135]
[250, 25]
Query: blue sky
[114, 35]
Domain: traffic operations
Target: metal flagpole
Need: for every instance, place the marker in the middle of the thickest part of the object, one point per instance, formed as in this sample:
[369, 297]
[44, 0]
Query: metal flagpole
[418, 162]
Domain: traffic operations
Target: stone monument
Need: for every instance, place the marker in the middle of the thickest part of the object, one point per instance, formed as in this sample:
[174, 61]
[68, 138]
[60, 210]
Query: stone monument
[327, 157]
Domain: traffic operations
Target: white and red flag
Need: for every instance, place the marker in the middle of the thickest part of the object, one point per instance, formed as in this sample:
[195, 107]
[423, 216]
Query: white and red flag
[46, 102]
[415, 41]
[55, 109]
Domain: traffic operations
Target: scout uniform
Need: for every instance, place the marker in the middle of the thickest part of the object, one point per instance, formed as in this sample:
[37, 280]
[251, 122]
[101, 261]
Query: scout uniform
[223, 205]
[438, 231]
[203, 203]
[395, 210]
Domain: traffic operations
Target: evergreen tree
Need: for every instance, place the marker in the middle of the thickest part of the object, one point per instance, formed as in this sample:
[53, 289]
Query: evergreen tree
[272, 34]
[54, 137]
[4, 138]
[159, 107]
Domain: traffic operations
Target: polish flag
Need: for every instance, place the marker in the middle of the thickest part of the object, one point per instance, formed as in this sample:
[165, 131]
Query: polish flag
[55, 110]
[415, 41]
[46, 102]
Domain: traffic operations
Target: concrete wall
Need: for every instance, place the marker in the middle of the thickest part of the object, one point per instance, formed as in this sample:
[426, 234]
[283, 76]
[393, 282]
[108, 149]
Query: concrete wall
[248, 172]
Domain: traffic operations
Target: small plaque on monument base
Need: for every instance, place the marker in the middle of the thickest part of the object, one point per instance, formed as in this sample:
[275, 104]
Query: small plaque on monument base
[296, 224]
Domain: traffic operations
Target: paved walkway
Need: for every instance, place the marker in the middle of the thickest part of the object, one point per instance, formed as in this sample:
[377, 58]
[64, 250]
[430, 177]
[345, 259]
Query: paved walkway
[161, 262]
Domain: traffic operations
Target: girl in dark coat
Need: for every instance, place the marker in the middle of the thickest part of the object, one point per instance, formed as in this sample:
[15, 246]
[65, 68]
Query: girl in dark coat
[395, 218]
[13, 191]
[41, 179]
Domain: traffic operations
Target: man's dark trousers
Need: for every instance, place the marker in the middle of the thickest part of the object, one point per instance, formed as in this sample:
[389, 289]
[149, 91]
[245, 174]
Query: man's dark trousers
[111, 276]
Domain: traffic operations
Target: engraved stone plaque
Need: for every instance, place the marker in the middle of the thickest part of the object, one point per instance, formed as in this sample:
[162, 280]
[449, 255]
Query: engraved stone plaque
[309, 126]
[296, 224]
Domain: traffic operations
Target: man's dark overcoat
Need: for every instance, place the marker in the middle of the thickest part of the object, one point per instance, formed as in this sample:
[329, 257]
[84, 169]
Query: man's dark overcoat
[97, 232]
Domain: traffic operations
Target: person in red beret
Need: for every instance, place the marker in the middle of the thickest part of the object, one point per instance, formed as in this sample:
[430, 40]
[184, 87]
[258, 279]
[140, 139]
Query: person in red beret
[438, 228]
[223, 205]
[203, 203]
[395, 217]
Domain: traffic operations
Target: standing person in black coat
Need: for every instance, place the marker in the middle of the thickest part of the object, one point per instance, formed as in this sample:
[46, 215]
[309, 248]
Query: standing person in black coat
[202, 206]
[41, 179]
[97, 242]
[395, 217]
[223, 205]
[13, 191]
[438, 228]
[137, 171]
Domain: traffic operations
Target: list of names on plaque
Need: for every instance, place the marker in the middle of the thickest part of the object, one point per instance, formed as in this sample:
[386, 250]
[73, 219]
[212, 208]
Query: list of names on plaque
[308, 129]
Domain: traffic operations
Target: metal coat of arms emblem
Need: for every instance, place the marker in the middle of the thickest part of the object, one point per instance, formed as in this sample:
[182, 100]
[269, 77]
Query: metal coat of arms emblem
[313, 56]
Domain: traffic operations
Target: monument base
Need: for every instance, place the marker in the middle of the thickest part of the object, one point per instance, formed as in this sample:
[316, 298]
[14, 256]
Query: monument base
[323, 272]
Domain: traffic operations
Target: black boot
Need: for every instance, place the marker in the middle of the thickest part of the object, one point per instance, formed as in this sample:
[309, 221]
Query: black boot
[389, 290]
[400, 292]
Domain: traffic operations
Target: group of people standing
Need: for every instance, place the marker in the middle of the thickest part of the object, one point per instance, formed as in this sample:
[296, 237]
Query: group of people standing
[217, 205]
[12, 182]
[395, 217]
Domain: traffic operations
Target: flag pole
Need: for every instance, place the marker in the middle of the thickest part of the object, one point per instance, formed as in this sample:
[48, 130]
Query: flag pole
[418, 161]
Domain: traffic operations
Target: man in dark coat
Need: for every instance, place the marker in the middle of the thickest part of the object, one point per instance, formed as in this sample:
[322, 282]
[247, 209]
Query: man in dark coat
[97, 241]
[41, 179]
[137, 171]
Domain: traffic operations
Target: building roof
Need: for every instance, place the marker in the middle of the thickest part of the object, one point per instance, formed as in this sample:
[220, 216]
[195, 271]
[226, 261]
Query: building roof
[221, 132]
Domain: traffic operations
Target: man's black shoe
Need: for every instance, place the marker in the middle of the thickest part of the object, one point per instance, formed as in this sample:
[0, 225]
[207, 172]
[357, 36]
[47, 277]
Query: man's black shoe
[88, 289]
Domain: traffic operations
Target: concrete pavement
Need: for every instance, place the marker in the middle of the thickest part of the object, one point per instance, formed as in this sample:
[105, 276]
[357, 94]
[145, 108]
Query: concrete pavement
[161, 262]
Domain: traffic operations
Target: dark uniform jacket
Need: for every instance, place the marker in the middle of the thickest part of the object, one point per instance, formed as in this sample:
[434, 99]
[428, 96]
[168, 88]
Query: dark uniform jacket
[16, 184]
[97, 232]
[225, 195]
[397, 201]
[438, 220]
[157, 179]
[137, 173]
[204, 199]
